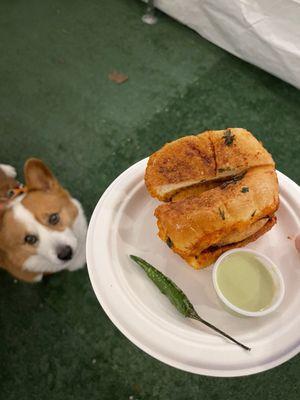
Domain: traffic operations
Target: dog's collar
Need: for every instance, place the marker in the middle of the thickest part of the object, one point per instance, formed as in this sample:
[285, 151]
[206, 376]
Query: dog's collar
[12, 194]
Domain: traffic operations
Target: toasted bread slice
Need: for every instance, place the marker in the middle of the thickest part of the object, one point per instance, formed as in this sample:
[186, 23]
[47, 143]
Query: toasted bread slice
[209, 156]
[237, 150]
[184, 162]
[209, 256]
[196, 223]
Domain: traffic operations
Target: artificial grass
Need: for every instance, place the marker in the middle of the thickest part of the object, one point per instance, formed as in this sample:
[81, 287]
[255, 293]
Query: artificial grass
[57, 103]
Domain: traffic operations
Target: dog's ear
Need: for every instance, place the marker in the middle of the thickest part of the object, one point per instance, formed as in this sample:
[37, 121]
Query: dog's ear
[38, 176]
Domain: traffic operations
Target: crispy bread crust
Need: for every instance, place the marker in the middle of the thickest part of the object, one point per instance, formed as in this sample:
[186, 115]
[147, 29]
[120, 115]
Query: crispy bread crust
[197, 222]
[194, 159]
[188, 159]
[207, 258]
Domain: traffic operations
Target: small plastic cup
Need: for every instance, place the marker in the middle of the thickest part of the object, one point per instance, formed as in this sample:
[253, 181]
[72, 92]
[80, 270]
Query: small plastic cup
[276, 276]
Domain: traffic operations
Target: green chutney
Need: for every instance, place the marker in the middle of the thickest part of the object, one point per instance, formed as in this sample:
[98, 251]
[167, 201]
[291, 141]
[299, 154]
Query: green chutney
[245, 282]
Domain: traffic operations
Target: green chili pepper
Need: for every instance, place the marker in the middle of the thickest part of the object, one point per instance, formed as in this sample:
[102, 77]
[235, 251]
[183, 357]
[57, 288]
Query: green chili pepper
[177, 297]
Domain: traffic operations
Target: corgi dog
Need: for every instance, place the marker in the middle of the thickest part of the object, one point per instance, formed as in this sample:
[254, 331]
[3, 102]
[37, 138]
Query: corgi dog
[42, 228]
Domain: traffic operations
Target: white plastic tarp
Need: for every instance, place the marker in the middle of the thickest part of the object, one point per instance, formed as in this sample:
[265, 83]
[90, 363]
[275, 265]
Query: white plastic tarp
[263, 32]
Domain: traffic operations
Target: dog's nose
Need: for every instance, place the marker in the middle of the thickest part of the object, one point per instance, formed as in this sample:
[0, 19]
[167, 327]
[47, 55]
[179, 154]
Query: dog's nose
[65, 253]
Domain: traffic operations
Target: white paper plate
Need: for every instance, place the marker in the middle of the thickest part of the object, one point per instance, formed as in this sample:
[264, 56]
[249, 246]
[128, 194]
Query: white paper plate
[123, 224]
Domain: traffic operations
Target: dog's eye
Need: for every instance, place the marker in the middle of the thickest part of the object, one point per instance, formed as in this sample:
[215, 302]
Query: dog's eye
[31, 239]
[53, 219]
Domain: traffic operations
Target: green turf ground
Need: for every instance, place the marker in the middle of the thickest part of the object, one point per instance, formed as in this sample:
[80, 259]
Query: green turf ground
[57, 103]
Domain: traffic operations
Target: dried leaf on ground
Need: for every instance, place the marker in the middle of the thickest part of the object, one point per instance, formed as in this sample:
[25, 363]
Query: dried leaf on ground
[117, 77]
